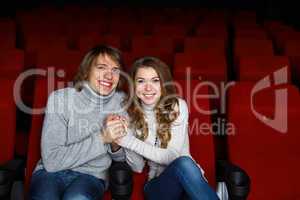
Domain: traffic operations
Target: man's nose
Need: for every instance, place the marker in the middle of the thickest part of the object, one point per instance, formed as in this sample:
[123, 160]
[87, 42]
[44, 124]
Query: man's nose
[108, 74]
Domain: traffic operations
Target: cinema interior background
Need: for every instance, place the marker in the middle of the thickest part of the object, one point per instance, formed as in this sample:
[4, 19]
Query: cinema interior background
[243, 63]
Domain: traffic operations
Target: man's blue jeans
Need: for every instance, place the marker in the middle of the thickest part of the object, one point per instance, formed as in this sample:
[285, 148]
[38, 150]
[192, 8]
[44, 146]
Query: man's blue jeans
[182, 179]
[65, 185]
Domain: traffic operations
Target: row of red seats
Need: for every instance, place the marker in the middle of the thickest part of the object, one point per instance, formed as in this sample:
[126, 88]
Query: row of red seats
[253, 150]
[206, 65]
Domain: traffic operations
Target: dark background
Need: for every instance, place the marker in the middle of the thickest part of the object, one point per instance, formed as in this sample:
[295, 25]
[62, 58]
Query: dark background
[268, 9]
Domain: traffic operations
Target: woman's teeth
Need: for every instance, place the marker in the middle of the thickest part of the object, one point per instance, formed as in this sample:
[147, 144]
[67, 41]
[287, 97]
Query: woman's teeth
[149, 95]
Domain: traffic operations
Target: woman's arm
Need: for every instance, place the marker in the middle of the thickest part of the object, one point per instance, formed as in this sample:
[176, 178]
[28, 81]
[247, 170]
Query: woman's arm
[179, 130]
[56, 154]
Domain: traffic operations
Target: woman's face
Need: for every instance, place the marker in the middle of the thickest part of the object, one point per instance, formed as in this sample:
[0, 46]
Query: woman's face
[104, 75]
[147, 86]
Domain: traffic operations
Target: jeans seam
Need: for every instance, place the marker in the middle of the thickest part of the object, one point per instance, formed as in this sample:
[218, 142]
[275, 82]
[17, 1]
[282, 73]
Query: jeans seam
[180, 173]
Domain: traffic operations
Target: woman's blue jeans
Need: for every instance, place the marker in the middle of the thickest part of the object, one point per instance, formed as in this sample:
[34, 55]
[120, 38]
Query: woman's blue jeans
[182, 179]
[65, 185]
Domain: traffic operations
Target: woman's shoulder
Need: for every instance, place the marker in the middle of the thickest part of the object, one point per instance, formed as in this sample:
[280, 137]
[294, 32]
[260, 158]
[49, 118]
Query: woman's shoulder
[182, 110]
[182, 106]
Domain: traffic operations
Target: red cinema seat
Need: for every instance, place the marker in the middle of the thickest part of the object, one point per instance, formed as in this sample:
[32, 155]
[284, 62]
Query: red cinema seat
[200, 125]
[117, 27]
[88, 41]
[207, 67]
[7, 34]
[130, 57]
[216, 29]
[254, 68]
[292, 47]
[253, 47]
[11, 63]
[66, 61]
[41, 92]
[8, 121]
[158, 43]
[37, 42]
[253, 33]
[204, 45]
[282, 36]
[263, 137]
[170, 30]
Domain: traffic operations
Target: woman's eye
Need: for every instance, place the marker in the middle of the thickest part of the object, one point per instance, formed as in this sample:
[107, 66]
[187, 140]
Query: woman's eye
[140, 81]
[156, 80]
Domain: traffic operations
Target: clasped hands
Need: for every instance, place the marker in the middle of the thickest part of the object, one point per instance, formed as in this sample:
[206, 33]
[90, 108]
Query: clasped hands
[115, 127]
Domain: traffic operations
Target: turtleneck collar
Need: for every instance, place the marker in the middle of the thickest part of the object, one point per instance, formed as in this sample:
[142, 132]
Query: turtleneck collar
[93, 96]
[148, 108]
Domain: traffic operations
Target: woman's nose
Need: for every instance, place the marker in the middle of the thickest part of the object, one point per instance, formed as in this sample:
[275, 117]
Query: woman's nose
[148, 87]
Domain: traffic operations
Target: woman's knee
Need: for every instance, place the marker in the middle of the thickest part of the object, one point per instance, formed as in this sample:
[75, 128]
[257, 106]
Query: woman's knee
[186, 165]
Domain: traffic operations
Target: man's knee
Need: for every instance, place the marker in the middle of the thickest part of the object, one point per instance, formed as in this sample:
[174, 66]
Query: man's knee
[77, 196]
[121, 182]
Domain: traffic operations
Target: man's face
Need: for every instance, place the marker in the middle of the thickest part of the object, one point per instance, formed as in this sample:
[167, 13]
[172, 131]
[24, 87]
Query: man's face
[104, 75]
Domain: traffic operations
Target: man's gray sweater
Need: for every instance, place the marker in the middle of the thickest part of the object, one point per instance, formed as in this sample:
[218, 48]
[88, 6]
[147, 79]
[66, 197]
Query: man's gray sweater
[71, 132]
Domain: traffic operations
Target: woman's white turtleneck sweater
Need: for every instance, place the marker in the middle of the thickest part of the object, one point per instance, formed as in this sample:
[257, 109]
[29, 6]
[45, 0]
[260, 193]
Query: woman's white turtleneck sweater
[158, 158]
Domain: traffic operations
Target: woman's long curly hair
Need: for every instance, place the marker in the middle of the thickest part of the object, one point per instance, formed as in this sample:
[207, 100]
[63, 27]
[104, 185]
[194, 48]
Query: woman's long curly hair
[164, 109]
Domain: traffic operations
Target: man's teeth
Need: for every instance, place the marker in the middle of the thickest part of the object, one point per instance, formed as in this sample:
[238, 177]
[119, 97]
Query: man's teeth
[105, 83]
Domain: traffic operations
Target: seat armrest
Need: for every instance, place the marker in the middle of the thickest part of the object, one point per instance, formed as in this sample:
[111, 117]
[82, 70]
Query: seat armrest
[236, 179]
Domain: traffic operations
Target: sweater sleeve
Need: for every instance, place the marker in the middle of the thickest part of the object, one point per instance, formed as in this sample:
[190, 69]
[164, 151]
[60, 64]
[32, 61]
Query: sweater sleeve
[118, 155]
[134, 160]
[56, 154]
[179, 129]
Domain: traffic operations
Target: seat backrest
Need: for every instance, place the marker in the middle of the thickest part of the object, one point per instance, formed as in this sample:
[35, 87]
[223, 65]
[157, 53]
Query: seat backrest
[42, 90]
[254, 68]
[253, 116]
[11, 63]
[7, 34]
[209, 67]
[200, 126]
[292, 47]
[88, 41]
[205, 44]
[66, 60]
[256, 146]
[159, 43]
[8, 121]
[253, 47]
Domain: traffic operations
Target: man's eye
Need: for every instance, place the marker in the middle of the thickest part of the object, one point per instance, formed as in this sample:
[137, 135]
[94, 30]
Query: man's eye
[102, 67]
[116, 70]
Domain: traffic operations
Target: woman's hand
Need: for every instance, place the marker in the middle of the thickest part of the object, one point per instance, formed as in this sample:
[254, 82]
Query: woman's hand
[115, 127]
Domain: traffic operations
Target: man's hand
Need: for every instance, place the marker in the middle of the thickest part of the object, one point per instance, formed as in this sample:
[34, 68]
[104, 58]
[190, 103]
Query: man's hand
[115, 127]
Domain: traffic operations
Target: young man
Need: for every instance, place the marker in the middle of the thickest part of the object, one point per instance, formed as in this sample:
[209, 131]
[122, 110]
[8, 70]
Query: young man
[77, 138]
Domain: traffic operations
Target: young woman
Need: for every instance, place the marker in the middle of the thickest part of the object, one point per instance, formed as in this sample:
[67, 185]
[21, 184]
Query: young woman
[76, 150]
[158, 132]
